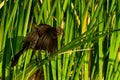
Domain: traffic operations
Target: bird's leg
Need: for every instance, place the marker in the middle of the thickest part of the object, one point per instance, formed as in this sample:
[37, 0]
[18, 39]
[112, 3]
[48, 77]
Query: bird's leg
[33, 52]
[39, 56]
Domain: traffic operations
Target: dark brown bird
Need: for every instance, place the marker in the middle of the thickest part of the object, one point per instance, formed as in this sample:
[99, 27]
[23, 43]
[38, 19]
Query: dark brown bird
[43, 37]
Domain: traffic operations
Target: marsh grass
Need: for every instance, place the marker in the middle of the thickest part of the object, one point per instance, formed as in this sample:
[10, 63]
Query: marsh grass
[87, 49]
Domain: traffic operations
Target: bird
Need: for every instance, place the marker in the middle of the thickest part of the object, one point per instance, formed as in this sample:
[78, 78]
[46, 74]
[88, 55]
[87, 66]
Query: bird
[43, 37]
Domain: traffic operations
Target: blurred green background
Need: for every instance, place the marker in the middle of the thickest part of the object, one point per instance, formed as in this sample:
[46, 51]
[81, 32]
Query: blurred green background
[88, 49]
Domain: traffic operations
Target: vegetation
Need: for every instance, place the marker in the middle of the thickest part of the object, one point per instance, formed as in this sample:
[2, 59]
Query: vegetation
[87, 49]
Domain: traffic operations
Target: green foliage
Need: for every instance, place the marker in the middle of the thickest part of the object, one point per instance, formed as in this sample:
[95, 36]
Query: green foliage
[87, 49]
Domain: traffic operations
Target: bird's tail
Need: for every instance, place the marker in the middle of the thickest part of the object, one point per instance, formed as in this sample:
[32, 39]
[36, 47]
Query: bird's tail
[16, 58]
